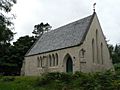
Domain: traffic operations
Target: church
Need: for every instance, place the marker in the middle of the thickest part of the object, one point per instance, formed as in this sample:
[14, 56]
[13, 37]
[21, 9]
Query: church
[77, 46]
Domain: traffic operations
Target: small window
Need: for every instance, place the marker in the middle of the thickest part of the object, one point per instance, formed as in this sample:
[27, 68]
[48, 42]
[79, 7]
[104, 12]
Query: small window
[93, 50]
[50, 61]
[53, 57]
[102, 53]
[38, 62]
[56, 59]
[97, 46]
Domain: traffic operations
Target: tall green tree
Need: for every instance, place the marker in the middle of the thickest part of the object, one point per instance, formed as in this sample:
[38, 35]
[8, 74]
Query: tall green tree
[6, 33]
[115, 53]
[41, 28]
[18, 51]
[21, 46]
[11, 62]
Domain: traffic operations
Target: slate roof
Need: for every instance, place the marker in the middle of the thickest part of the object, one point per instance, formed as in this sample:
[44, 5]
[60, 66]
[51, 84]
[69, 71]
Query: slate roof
[66, 36]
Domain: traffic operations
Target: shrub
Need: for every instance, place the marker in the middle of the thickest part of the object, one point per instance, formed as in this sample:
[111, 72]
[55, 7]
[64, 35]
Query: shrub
[64, 81]
[56, 77]
[7, 78]
[1, 76]
[84, 81]
[41, 81]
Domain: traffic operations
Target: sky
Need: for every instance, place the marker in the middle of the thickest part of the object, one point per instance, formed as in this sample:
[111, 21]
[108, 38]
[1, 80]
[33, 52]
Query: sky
[61, 12]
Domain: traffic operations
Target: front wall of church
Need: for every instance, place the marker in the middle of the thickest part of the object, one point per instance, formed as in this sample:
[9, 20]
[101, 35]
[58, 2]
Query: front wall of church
[102, 61]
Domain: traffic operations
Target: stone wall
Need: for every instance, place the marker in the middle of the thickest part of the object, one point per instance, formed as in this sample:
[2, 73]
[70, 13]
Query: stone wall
[31, 62]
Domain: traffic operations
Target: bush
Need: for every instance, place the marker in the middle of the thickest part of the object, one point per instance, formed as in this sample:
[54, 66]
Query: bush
[58, 78]
[7, 78]
[117, 68]
[41, 81]
[1, 76]
[84, 81]
[64, 81]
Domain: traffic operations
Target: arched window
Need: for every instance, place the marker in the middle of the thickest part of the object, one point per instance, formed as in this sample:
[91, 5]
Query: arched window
[102, 53]
[56, 59]
[50, 61]
[53, 57]
[38, 62]
[93, 50]
[97, 46]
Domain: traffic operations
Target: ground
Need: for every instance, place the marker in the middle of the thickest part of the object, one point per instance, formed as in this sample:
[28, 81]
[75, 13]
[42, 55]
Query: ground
[63, 81]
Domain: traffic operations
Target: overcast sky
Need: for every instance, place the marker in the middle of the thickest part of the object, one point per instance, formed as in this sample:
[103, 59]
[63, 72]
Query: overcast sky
[60, 12]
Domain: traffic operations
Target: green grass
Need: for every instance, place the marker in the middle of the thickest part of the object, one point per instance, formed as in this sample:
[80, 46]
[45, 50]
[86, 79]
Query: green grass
[18, 83]
[63, 81]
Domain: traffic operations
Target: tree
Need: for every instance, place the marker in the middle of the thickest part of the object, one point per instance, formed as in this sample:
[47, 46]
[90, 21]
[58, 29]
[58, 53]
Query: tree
[6, 35]
[12, 59]
[41, 28]
[6, 5]
[115, 53]
[111, 49]
[19, 49]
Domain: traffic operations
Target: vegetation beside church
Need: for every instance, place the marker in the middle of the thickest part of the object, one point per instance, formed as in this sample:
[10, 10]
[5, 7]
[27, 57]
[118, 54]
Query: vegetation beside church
[12, 55]
[63, 81]
[115, 53]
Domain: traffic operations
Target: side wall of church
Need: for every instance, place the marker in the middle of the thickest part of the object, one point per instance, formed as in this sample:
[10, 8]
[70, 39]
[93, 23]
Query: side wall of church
[32, 67]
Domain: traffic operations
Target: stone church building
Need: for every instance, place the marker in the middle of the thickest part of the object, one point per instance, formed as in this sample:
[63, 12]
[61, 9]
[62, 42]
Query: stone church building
[78, 46]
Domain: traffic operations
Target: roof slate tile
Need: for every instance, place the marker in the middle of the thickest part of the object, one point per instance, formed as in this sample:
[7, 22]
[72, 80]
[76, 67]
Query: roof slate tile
[63, 37]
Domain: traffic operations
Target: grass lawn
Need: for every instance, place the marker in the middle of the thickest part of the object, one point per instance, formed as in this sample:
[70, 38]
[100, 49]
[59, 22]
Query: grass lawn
[62, 81]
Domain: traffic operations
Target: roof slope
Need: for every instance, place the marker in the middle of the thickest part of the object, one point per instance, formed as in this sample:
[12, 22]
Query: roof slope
[66, 36]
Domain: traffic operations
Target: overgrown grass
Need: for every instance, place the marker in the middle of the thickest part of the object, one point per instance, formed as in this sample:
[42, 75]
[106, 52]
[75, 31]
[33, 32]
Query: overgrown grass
[63, 81]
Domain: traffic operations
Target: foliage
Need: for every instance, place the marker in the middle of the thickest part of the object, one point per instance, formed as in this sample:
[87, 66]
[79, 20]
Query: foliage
[57, 81]
[20, 48]
[12, 58]
[19, 83]
[6, 5]
[7, 78]
[41, 28]
[6, 35]
[115, 53]
[57, 77]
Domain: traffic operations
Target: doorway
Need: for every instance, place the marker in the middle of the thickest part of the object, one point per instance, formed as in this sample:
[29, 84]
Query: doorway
[69, 65]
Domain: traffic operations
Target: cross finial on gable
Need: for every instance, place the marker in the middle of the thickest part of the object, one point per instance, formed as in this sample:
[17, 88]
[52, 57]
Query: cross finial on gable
[94, 7]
